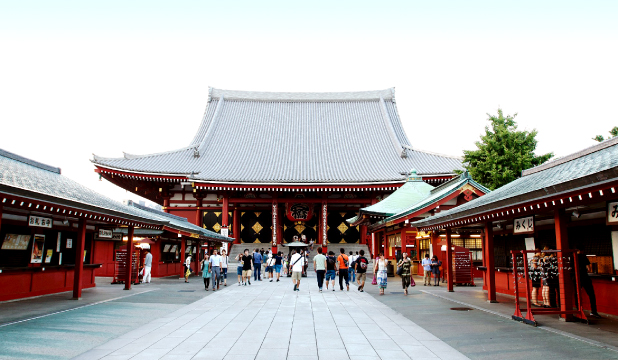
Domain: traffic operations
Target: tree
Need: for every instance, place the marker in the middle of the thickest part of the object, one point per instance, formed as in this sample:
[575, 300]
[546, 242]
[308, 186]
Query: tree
[502, 153]
[613, 132]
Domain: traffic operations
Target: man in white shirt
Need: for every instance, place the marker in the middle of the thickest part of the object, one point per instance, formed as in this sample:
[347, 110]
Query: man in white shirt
[427, 268]
[297, 262]
[215, 264]
[147, 267]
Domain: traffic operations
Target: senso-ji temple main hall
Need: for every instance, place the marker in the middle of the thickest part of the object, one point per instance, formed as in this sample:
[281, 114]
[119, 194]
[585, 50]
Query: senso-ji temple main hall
[266, 166]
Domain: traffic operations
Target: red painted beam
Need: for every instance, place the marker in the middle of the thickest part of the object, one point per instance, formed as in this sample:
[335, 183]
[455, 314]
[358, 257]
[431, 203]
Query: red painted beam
[79, 259]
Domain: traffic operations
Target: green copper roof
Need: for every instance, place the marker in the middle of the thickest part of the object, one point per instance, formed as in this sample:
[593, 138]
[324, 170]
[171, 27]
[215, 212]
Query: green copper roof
[435, 195]
[411, 192]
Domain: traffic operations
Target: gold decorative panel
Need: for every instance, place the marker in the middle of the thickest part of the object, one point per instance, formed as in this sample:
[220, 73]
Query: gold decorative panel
[216, 227]
[217, 213]
[258, 213]
[342, 227]
[342, 214]
[257, 227]
[242, 213]
[242, 227]
[300, 228]
[285, 228]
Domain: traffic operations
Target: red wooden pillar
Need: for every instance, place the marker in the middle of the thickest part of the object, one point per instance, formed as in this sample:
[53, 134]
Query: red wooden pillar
[564, 276]
[166, 203]
[198, 248]
[183, 255]
[225, 211]
[275, 226]
[198, 211]
[449, 260]
[363, 234]
[79, 259]
[129, 259]
[488, 260]
[236, 226]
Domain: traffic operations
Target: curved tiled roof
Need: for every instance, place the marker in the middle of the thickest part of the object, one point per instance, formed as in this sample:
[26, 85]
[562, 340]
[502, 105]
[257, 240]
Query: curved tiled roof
[544, 180]
[31, 179]
[258, 137]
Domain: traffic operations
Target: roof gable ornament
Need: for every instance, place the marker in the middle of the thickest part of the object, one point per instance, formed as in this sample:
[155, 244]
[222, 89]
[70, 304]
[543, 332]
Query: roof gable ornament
[413, 176]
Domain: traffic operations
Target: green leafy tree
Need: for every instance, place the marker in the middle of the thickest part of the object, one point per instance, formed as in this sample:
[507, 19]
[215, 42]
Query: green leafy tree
[502, 153]
[613, 132]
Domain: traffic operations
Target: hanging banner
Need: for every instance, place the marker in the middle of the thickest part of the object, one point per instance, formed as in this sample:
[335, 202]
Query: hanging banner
[36, 257]
[275, 206]
[324, 225]
[298, 211]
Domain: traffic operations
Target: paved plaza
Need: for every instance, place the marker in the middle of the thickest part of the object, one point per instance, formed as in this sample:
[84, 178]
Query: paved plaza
[270, 321]
[170, 319]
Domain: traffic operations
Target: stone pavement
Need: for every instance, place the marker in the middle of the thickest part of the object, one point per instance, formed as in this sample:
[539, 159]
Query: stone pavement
[271, 321]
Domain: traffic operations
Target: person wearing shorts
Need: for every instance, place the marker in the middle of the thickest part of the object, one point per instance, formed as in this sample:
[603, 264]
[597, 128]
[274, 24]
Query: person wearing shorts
[278, 264]
[270, 268]
[247, 261]
[297, 262]
[331, 273]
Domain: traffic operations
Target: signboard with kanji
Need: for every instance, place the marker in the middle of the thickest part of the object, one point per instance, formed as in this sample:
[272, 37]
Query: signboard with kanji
[612, 213]
[40, 221]
[523, 225]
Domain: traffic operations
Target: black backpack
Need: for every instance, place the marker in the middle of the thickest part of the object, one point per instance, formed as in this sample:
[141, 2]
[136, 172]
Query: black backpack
[331, 260]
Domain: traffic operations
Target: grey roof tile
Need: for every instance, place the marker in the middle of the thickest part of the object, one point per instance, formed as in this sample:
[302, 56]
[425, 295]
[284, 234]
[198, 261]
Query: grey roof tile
[294, 138]
[543, 179]
[25, 177]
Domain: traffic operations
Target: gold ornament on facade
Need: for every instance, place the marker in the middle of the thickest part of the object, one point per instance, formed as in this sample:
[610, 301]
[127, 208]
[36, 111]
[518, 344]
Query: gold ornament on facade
[342, 227]
[342, 214]
[216, 227]
[257, 227]
[217, 213]
[300, 228]
[242, 227]
[258, 213]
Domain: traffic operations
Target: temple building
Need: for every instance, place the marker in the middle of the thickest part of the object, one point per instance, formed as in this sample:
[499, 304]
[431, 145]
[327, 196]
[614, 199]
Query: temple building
[265, 167]
[390, 221]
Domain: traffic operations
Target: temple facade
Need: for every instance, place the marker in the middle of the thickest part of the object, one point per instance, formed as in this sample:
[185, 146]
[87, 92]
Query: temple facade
[269, 167]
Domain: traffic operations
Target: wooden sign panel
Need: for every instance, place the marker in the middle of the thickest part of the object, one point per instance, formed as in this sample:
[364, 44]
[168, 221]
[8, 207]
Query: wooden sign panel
[523, 225]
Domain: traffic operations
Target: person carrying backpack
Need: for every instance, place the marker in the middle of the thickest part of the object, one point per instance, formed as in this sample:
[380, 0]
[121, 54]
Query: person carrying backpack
[331, 272]
[342, 266]
[361, 270]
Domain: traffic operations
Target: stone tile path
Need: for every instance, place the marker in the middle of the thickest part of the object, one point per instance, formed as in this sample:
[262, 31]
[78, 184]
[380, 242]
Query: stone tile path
[271, 321]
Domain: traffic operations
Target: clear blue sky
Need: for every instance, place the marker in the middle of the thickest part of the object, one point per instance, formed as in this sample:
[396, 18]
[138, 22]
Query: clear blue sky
[79, 77]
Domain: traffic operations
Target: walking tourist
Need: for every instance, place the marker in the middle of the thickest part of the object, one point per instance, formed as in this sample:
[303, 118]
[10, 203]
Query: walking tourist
[361, 268]
[147, 267]
[351, 270]
[187, 268]
[331, 272]
[379, 270]
[297, 262]
[257, 265]
[426, 263]
[224, 263]
[239, 268]
[342, 267]
[319, 265]
[247, 266]
[215, 265]
[405, 263]
[435, 270]
[270, 267]
[278, 264]
[206, 271]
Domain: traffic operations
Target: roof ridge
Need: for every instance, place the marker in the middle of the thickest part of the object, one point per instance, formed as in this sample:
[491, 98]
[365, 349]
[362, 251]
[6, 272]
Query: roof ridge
[30, 162]
[155, 211]
[576, 155]
[437, 154]
[303, 96]
[134, 156]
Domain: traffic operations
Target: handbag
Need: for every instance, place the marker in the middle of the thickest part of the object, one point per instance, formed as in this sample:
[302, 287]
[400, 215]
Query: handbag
[412, 282]
[374, 281]
[399, 270]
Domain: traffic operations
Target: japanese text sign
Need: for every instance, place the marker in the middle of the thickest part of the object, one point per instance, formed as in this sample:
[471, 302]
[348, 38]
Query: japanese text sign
[523, 225]
[612, 213]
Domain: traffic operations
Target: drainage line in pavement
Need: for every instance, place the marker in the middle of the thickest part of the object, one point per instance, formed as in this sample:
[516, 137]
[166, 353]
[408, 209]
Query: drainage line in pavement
[546, 328]
[79, 307]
